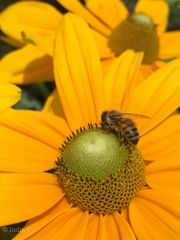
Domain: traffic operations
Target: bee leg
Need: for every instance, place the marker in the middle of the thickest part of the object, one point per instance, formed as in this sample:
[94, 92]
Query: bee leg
[106, 128]
[109, 129]
[120, 136]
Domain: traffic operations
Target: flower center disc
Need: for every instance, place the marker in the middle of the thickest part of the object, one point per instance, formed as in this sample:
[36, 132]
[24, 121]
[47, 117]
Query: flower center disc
[137, 32]
[99, 172]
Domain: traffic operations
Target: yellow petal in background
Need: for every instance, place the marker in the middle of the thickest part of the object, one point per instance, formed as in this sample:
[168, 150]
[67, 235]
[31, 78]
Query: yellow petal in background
[110, 12]
[146, 70]
[102, 45]
[24, 196]
[5, 77]
[75, 6]
[53, 104]
[170, 45]
[158, 10]
[78, 72]
[31, 21]
[9, 94]
[28, 65]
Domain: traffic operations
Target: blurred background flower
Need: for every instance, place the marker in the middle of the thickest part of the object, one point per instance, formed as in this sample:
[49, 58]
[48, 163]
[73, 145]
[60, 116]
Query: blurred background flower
[34, 95]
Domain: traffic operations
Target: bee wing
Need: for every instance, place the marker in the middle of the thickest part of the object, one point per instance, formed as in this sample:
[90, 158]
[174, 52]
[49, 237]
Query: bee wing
[136, 115]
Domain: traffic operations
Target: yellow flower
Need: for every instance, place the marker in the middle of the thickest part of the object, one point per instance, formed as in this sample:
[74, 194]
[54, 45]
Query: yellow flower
[9, 94]
[103, 16]
[31, 142]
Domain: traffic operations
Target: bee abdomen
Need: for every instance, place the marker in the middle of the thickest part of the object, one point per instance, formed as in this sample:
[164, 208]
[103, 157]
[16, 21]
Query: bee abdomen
[132, 135]
[134, 140]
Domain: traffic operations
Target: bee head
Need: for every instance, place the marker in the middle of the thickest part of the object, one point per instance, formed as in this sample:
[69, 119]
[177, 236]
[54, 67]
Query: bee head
[104, 118]
[103, 115]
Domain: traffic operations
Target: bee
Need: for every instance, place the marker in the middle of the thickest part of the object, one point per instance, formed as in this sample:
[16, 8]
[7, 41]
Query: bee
[124, 127]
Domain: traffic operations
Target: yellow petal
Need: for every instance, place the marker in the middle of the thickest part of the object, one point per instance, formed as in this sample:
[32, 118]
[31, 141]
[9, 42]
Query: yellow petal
[110, 12]
[163, 166]
[93, 227]
[31, 140]
[120, 79]
[75, 6]
[106, 63]
[158, 10]
[31, 21]
[162, 142]
[105, 231]
[112, 226]
[146, 70]
[157, 64]
[78, 72]
[27, 65]
[53, 104]
[170, 45]
[166, 181]
[69, 225]
[164, 175]
[125, 231]
[113, 229]
[102, 233]
[24, 196]
[155, 215]
[158, 96]
[5, 77]
[142, 74]
[78, 227]
[102, 45]
[9, 94]
[39, 222]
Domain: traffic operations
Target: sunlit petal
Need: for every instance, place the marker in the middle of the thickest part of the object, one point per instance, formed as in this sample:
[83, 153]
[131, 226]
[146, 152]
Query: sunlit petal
[32, 138]
[170, 45]
[31, 21]
[155, 214]
[27, 65]
[110, 12]
[78, 72]
[76, 6]
[21, 191]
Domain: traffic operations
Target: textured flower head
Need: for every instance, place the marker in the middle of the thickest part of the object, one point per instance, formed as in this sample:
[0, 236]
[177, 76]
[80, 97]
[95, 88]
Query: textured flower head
[114, 29]
[30, 150]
